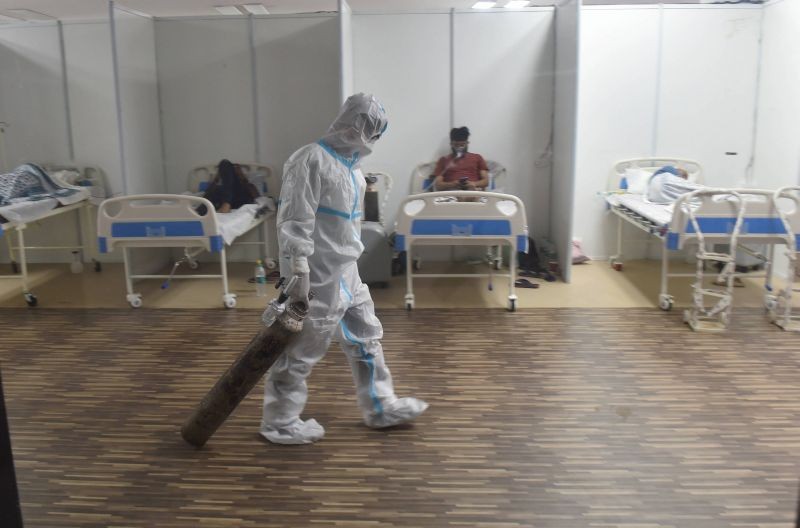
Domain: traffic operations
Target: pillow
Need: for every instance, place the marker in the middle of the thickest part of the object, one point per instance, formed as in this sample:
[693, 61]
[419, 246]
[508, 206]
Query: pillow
[637, 180]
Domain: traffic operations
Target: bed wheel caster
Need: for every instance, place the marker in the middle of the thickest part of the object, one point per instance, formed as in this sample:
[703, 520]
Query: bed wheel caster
[14, 267]
[615, 264]
[270, 263]
[31, 300]
[229, 300]
[98, 267]
[497, 264]
[417, 266]
[135, 300]
[512, 305]
[409, 302]
[665, 302]
[193, 264]
[724, 319]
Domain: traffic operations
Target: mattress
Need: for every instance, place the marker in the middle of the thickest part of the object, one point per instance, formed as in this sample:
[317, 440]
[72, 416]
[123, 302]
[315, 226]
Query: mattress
[23, 212]
[658, 214]
[239, 221]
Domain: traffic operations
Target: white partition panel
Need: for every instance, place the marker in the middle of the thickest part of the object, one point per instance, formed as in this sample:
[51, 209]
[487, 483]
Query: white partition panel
[565, 140]
[778, 137]
[503, 91]
[617, 98]
[205, 80]
[298, 82]
[31, 95]
[91, 99]
[708, 88]
[404, 60]
[138, 90]
[345, 49]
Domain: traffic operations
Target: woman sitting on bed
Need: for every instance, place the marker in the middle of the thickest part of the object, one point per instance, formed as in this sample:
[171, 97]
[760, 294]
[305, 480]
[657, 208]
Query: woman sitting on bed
[230, 189]
[668, 183]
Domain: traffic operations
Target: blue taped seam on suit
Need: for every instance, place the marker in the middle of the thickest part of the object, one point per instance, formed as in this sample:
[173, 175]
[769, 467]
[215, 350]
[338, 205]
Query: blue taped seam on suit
[344, 161]
[461, 227]
[345, 290]
[368, 359]
[333, 212]
[157, 229]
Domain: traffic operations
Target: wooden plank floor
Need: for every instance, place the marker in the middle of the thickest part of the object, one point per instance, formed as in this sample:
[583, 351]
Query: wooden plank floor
[543, 418]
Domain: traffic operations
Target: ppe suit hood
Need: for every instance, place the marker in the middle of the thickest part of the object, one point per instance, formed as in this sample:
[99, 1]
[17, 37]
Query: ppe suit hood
[360, 123]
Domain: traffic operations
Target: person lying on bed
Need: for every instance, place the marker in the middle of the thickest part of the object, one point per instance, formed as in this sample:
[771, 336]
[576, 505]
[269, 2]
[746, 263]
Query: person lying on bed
[230, 189]
[668, 183]
[461, 170]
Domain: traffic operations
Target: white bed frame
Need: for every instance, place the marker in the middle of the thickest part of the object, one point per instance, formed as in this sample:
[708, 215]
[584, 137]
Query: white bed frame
[165, 220]
[83, 226]
[716, 216]
[425, 219]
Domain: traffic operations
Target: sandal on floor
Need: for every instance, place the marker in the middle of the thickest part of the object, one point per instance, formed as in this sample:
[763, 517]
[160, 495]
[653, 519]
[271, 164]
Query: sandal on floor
[525, 283]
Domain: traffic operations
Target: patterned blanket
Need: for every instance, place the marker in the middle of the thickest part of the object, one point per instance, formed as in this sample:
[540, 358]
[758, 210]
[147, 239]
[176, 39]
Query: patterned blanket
[30, 182]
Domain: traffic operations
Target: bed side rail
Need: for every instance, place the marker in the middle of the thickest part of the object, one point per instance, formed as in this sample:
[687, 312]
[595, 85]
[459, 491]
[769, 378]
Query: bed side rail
[152, 220]
[436, 215]
[715, 213]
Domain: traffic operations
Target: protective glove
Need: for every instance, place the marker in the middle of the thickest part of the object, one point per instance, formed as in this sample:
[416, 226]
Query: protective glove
[299, 291]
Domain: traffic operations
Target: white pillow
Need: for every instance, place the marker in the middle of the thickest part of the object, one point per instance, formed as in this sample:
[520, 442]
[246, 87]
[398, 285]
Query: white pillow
[637, 180]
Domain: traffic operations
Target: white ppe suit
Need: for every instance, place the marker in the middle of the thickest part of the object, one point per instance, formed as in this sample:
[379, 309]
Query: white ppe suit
[319, 234]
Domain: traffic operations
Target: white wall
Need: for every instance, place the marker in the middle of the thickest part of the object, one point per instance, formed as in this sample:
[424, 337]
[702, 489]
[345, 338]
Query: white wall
[709, 69]
[778, 139]
[298, 82]
[206, 94]
[42, 105]
[31, 95]
[91, 98]
[675, 81]
[138, 89]
[616, 97]
[502, 90]
[345, 49]
[565, 141]
[503, 82]
[404, 60]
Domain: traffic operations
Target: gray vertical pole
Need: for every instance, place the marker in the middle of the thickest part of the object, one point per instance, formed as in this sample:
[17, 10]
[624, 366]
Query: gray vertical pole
[65, 84]
[251, 30]
[117, 96]
[452, 68]
[659, 62]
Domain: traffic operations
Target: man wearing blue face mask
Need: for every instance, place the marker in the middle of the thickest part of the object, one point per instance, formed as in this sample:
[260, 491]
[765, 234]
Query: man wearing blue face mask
[461, 169]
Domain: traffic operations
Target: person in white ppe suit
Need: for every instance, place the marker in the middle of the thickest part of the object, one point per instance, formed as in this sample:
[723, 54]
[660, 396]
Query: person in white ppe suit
[319, 234]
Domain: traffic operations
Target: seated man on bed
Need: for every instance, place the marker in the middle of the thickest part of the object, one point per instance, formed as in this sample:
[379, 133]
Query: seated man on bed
[230, 189]
[668, 183]
[461, 170]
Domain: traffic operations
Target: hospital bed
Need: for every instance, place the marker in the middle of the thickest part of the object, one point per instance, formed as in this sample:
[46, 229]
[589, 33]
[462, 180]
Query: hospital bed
[86, 185]
[172, 221]
[706, 218]
[422, 181]
[435, 218]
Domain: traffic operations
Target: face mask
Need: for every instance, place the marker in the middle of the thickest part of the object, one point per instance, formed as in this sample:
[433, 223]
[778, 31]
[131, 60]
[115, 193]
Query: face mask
[458, 152]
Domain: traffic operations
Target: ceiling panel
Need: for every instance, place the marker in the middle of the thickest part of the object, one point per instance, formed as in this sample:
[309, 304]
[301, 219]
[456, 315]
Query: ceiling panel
[95, 9]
